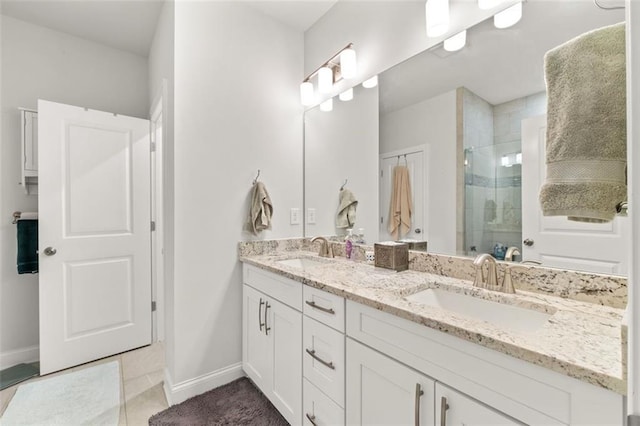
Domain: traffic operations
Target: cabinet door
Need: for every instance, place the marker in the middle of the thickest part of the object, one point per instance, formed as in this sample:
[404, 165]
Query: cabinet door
[456, 409]
[30, 143]
[257, 353]
[381, 391]
[284, 329]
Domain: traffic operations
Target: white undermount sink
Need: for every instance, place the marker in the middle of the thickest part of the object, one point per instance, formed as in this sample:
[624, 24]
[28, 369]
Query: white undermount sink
[301, 263]
[505, 316]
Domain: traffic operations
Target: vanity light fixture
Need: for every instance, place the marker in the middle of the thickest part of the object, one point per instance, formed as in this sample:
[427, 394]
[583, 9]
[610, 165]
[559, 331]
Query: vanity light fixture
[306, 93]
[437, 14]
[341, 65]
[372, 82]
[327, 105]
[456, 42]
[508, 17]
[347, 95]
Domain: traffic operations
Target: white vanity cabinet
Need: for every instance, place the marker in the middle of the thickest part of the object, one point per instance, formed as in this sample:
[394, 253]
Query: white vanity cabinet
[382, 391]
[29, 148]
[272, 339]
[455, 409]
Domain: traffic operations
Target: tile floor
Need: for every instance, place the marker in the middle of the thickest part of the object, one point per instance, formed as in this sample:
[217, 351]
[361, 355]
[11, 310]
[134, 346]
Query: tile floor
[141, 380]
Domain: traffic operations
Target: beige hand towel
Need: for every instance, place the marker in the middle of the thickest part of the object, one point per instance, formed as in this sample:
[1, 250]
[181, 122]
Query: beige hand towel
[401, 205]
[346, 216]
[260, 210]
[586, 127]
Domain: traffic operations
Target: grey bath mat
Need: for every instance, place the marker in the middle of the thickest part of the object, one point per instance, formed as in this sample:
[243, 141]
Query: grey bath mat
[18, 373]
[236, 403]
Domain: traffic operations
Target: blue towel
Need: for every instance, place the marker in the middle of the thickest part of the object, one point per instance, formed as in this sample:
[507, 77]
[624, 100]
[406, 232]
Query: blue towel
[27, 246]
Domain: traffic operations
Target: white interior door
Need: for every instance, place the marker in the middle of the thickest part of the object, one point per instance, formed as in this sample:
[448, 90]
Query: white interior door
[554, 240]
[415, 161]
[94, 241]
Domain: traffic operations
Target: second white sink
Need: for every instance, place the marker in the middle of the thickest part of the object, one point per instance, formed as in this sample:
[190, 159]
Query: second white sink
[301, 263]
[499, 314]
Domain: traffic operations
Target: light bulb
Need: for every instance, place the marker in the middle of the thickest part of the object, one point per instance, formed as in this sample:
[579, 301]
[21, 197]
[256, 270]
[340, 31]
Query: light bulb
[508, 17]
[327, 105]
[306, 93]
[456, 42]
[437, 13]
[347, 95]
[488, 4]
[348, 64]
[372, 82]
[325, 80]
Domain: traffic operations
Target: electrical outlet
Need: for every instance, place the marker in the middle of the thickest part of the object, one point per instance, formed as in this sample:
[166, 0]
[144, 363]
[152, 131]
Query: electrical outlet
[294, 216]
[311, 216]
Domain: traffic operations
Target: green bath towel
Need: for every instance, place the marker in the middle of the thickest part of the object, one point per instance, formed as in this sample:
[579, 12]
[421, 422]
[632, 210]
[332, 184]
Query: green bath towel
[27, 246]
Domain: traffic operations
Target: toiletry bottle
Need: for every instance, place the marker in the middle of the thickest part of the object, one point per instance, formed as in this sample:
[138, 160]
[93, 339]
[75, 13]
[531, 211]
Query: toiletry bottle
[348, 242]
[360, 236]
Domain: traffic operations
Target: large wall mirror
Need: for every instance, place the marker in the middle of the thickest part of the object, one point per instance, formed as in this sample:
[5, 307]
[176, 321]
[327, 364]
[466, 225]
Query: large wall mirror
[469, 125]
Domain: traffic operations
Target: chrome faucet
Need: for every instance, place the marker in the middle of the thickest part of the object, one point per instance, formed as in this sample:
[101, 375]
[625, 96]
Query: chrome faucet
[326, 249]
[491, 281]
[511, 251]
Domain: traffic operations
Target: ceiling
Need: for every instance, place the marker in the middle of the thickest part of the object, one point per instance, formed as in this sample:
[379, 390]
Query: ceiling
[130, 25]
[497, 65]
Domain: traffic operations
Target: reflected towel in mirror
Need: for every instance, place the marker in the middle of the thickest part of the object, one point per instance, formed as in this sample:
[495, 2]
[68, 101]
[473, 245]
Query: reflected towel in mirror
[260, 210]
[346, 216]
[401, 205]
[586, 127]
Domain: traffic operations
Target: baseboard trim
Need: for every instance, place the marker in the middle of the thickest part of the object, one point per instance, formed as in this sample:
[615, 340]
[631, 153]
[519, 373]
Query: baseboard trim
[24, 355]
[179, 392]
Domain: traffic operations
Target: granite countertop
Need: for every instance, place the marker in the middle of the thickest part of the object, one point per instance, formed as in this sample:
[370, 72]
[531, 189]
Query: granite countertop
[581, 340]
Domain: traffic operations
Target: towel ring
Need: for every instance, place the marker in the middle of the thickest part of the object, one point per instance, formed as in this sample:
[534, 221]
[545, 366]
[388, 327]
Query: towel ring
[344, 184]
[257, 176]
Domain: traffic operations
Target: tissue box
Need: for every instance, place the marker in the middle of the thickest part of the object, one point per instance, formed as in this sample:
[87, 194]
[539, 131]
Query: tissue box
[391, 255]
[418, 245]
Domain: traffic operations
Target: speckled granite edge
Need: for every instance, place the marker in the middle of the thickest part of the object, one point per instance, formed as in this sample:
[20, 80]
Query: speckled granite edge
[604, 290]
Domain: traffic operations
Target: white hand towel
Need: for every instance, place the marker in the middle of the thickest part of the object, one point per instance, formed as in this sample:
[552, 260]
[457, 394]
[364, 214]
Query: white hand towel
[346, 217]
[401, 205]
[260, 210]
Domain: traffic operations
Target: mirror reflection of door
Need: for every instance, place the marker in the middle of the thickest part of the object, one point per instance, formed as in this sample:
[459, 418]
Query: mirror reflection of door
[554, 240]
[415, 160]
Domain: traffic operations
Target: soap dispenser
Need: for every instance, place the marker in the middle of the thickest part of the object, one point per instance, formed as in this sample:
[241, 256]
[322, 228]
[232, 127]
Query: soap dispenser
[348, 242]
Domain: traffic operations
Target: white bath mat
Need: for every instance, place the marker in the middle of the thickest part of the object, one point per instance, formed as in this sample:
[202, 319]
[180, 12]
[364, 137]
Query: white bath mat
[86, 397]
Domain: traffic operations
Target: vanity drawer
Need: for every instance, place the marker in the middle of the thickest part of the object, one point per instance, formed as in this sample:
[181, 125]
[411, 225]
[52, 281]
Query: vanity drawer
[323, 358]
[318, 409]
[324, 307]
[280, 288]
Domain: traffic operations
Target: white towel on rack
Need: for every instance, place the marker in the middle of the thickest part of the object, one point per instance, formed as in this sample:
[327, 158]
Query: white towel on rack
[28, 216]
[260, 210]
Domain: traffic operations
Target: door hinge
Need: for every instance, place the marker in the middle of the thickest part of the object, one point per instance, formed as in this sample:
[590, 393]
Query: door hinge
[381, 173]
[381, 219]
[153, 306]
[153, 147]
[153, 225]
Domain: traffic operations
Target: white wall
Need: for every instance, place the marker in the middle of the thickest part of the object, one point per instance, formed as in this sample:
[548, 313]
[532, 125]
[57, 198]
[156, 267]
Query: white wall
[343, 144]
[161, 66]
[432, 123]
[237, 110]
[41, 63]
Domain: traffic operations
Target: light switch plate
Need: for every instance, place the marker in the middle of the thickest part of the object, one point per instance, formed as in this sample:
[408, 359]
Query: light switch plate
[311, 216]
[294, 216]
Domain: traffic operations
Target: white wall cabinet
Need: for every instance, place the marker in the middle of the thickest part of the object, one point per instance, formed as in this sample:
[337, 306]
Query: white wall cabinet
[271, 354]
[382, 391]
[29, 148]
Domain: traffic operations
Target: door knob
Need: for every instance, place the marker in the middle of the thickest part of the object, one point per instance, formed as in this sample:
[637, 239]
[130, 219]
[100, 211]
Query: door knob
[528, 242]
[418, 230]
[50, 251]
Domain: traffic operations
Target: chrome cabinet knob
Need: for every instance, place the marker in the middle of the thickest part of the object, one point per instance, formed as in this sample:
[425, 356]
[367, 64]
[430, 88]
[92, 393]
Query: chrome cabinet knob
[528, 242]
[50, 251]
[418, 230]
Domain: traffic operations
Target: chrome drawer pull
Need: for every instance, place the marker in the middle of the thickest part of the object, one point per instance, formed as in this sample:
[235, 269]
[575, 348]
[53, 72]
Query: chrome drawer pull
[266, 327]
[419, 393]
[443, 411]
[314, 306]
[312, 419]
[260, 314]
[312, 352]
